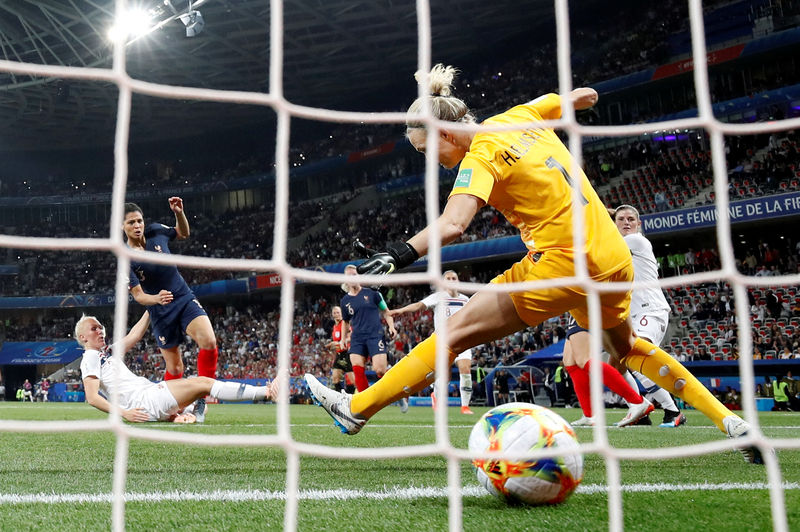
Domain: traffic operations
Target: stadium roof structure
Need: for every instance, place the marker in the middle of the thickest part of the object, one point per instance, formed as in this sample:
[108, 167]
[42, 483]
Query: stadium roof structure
[337, 54]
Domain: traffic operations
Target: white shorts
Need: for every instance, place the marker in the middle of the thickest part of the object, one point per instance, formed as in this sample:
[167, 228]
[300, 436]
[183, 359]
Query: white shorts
[652, 326]
[157, 401]
[466, 355]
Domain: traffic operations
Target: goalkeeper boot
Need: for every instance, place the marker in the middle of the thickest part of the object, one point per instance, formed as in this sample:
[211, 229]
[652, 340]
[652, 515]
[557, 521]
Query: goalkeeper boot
[736, 427]
[466, 410]
[336, 404]
[635, 413]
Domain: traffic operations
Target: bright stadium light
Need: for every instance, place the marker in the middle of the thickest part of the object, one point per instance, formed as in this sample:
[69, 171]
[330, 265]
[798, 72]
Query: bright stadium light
[134, 23]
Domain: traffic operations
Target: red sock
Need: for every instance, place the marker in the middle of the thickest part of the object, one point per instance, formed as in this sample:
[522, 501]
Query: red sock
[169, 376]
[580, 382]
[617, 383]
[361, 378]
[207, 362]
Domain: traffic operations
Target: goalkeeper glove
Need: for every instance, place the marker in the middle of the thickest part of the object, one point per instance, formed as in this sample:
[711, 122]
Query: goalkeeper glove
[398, 255]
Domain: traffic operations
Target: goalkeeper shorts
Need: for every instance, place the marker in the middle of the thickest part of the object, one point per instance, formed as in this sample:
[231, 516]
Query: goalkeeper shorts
[536, 306]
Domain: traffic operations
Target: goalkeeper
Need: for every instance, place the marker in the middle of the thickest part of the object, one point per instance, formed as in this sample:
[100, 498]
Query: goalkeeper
[528, 175]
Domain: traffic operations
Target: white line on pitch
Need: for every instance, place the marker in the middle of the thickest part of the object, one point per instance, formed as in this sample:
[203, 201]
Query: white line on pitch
[350, 494]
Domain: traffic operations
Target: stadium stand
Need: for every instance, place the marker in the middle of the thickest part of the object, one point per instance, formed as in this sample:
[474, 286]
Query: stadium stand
[655, 173]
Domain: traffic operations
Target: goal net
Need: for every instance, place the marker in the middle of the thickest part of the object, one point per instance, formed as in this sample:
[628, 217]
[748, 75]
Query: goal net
[285, 111]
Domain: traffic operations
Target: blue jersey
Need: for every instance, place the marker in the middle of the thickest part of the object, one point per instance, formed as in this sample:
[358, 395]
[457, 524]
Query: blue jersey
[363, 314]
[156, 277]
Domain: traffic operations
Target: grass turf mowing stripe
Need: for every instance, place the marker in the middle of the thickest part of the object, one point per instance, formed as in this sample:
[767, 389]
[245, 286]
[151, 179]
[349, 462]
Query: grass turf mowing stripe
[347, 494]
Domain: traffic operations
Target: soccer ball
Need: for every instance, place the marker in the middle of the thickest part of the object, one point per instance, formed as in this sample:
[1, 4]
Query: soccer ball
[519, 428]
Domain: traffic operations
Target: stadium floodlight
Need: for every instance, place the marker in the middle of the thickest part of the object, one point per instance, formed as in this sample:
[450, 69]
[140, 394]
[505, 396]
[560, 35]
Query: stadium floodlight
[133, 23]
[193, 20]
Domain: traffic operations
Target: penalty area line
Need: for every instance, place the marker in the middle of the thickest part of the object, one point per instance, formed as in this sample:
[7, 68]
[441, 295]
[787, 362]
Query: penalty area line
[351, 494]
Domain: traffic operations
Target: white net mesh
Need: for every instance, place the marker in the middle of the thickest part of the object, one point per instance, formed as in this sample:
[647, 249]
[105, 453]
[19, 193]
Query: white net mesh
[442, 447]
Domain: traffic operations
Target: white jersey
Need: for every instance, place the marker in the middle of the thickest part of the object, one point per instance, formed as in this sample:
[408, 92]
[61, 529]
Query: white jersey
[444, 305]
[645, 268]
[111, 373]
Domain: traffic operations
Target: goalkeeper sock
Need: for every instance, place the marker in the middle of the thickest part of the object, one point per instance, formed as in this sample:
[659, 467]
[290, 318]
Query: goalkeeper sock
[407, 377]
[669, 374]
[207, 363]
[170, 376]
[236, 391]
[615, 382]
[580, 381]
[361, 378]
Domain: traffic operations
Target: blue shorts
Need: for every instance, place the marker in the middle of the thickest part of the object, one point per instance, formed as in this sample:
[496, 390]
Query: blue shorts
[573, 327]
[169, 322]
[368, 347]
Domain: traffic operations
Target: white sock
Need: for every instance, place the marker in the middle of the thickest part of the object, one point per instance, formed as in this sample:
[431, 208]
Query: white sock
[646, 382]
[236, 391]
[631, 380]
[466, 388]
[659, 394]
[664, 399]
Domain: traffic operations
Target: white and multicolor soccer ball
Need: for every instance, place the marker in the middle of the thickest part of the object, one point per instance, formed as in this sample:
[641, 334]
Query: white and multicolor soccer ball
[519, 428]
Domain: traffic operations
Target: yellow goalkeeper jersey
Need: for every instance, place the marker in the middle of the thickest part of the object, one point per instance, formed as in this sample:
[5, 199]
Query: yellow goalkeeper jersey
[528, 176]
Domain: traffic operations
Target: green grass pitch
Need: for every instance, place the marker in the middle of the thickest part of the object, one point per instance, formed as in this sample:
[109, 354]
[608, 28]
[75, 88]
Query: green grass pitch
[64, 480]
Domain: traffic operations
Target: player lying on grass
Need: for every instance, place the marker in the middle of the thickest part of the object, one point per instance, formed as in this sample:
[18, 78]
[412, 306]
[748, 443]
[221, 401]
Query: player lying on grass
[140, 399]
[528, 175]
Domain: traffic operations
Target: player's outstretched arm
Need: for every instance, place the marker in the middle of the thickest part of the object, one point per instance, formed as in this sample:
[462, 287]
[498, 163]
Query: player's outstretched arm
[457, 215]
[412, 307]
[137, 332]
[181, 222]
[91, 388]
[390, 322]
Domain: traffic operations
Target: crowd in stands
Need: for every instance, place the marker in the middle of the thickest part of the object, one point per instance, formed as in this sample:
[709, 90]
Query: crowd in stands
[657, 180]
[597, 55]
[654, 176]
[705, 325]
[665, 179]
[247, 336]
[652, 179]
